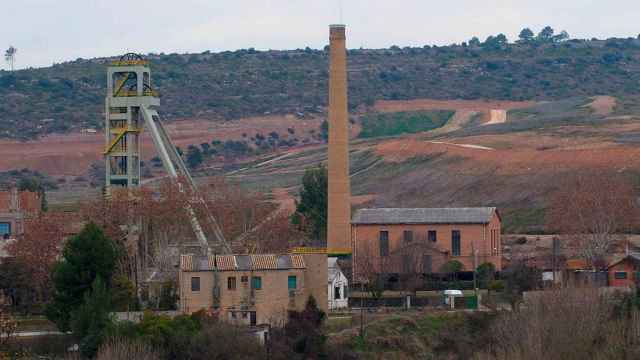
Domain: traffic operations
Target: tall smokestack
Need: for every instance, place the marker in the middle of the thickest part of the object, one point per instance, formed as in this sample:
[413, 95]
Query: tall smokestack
[339, 222]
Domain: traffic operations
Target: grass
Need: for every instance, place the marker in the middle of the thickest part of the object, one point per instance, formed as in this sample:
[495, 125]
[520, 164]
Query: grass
[391, 124]
[523, 221]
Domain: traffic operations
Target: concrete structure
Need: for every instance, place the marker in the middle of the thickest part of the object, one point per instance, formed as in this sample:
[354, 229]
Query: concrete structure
[624, 272]
[339, 205]
[421, 240]
[337, 286]
[252, 289]
[128, 90]
[15, 207]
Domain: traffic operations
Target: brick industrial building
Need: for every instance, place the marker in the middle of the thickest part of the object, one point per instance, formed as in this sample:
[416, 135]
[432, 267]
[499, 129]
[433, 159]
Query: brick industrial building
[15, 207]
[422, 240]
[252, 289]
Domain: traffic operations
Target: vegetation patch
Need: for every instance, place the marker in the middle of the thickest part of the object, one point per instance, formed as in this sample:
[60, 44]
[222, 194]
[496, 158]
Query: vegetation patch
[390, 124]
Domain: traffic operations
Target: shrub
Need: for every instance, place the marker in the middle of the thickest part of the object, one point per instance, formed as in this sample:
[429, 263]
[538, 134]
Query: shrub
[127, 349]
[496, 285]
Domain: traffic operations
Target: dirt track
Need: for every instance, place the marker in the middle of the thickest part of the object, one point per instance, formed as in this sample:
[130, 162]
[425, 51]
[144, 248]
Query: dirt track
[429, 104]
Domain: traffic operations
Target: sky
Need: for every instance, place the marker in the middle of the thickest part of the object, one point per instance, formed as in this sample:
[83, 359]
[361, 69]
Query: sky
[53, 31]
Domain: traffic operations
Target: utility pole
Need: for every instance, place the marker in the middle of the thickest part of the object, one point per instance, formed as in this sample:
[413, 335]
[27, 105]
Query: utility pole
[362, 310]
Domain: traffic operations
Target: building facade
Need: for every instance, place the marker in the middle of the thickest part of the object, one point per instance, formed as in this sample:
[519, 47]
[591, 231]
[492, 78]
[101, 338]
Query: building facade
[15, 207]
[421, 240]
[337, 286]
[252, 289]
[624, 272]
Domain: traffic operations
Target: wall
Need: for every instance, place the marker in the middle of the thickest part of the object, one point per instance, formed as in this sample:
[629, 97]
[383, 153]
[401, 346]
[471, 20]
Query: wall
[365, 240]
[270, 303]
[627, 266]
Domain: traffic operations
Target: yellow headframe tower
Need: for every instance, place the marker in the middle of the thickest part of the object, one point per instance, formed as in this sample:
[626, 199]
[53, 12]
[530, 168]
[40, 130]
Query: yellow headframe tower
[128, 90]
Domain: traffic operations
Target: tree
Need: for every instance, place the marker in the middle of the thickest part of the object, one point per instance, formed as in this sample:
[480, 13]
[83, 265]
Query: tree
[85, 257]
[16, 285]
[474, 42]
[92, 318]
[495, 42]
[563, 36]
[519, 278]
[312, 207]
[194, 157]
[37, 251]
[545, 35]
[123, 294]
[592, 211]
[10, 56]
[526, 36]
[303, 331]
[485, 273]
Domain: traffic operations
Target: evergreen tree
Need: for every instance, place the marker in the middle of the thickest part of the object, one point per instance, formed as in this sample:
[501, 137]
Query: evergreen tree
[91, 320]
[545, 35]
[85, 257]
[526, 36]
[312, 208]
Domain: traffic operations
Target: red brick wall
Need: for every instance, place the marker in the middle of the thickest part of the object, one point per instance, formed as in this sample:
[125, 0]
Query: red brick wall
[624, 266]
[365, 242]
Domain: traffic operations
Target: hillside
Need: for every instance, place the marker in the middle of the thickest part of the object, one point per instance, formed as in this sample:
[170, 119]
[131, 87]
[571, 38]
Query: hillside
[231, 85]
[514, 164]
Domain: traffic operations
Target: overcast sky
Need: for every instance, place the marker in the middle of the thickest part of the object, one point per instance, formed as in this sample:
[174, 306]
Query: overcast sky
[48, 31]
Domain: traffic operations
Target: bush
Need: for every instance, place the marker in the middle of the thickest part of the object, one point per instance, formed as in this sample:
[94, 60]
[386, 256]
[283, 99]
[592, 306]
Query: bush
[127, 349]
[496, 285]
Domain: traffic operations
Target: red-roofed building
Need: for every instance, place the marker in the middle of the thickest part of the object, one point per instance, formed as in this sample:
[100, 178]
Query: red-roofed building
[15, 207]
[624, 272]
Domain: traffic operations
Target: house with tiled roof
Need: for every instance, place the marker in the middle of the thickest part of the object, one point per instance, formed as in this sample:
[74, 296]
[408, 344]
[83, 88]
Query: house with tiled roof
[421, 240]
[252, 289]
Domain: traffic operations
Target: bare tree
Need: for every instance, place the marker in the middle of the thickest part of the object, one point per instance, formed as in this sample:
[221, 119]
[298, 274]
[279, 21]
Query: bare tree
[592, 211]
[10, 56]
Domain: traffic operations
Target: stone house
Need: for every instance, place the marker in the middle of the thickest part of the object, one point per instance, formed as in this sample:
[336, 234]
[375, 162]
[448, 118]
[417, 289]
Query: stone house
[252, 289]
[421, 240]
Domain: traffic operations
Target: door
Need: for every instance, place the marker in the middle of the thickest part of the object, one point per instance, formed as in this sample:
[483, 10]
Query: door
[253, 319]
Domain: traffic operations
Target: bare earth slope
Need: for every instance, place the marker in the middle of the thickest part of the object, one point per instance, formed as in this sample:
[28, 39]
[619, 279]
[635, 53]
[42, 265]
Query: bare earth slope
[513, 163]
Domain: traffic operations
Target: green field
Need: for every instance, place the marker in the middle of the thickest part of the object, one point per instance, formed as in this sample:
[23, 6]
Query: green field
[391, 124]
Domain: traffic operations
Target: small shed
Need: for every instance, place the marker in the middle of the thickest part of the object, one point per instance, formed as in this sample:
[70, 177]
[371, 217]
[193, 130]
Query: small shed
[338, 285]
[624, 272]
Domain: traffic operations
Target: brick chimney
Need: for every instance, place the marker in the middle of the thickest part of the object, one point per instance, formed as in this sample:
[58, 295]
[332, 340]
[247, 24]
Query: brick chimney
[339, 212]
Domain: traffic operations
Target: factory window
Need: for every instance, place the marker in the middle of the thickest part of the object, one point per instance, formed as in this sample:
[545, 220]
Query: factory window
[256, 282]
[293, 282]
[336, 293]
[408, 236]
[620, 275]
[244, 279]
[232, 315]
[195, 283]
[455, 242]
[432, 235]
[5, 230]
[384, 243]
[231, 283]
